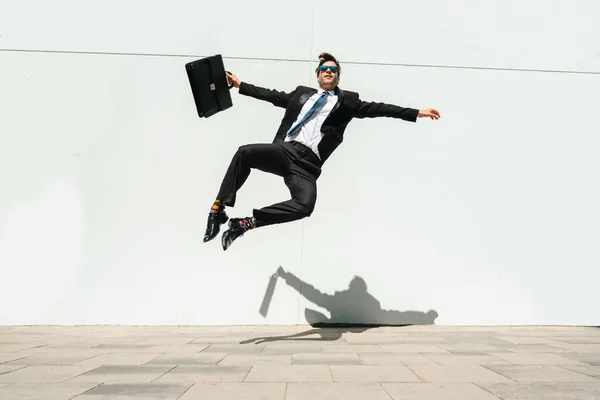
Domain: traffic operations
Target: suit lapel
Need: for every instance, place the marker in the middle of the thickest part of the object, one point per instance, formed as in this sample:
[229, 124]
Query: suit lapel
[303, 99]
[340, 99]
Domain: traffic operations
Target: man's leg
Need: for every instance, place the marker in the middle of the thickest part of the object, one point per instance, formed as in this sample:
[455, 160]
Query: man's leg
[303, 189]
[265, 157]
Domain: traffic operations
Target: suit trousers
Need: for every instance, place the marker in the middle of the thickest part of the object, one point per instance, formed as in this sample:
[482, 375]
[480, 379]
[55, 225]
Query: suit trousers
[299, 166]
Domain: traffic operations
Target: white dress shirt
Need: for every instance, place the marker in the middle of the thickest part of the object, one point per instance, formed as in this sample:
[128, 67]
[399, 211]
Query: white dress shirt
[310, 133]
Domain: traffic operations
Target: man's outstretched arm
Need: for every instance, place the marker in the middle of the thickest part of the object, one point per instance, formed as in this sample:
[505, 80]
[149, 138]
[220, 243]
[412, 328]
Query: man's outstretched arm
[369, 109]
[275, 97]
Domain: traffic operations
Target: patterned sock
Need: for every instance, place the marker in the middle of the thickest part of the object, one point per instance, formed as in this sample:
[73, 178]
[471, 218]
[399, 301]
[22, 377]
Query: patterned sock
[217, 206]
[248, 223]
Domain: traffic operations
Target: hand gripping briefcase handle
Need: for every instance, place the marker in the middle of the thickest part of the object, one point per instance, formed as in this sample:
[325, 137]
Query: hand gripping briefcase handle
[209, 84]
[231, 84]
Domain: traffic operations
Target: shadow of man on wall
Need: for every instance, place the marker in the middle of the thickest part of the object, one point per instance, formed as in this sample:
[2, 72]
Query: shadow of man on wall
[351, 310]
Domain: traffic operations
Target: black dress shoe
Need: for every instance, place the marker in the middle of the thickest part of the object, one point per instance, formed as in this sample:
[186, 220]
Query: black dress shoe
[235, 231]
[213, 225]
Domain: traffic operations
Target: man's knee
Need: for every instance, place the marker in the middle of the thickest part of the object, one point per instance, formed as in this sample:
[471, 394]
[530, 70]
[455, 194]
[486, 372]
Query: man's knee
[244, 149]
[306, 208]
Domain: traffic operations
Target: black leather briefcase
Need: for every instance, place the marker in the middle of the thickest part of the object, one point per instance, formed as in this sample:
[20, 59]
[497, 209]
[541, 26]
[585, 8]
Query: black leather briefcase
[209, 85]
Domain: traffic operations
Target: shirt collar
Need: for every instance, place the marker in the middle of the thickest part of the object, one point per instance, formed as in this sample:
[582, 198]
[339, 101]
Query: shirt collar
[331, 92]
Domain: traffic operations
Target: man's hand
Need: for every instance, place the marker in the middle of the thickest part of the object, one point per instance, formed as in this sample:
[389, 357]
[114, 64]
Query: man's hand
[231, 78]
[430, 112]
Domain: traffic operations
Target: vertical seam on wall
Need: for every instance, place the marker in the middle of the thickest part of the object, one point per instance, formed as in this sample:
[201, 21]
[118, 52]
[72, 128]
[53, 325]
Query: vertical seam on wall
[312, 33]
[312, 37]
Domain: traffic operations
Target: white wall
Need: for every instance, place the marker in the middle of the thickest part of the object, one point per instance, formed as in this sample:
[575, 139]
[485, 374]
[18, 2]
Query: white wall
[488, 216]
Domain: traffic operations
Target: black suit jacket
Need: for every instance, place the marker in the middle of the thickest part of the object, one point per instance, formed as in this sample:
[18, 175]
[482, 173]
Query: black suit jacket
[348, 106]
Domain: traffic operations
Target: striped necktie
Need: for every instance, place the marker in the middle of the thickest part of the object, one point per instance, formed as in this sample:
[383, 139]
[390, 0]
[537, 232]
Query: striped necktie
[315, 106]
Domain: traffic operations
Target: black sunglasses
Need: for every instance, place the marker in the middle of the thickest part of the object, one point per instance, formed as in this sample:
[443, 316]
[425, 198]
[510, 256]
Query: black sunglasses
[332, 68]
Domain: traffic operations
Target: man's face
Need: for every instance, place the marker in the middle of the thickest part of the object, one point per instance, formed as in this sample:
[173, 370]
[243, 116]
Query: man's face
[327, 79]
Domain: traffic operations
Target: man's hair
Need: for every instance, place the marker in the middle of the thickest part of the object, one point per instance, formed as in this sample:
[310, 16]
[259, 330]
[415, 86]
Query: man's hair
[324, 57]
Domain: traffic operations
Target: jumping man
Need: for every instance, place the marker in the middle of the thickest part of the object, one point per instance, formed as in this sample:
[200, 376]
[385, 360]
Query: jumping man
[311, 129]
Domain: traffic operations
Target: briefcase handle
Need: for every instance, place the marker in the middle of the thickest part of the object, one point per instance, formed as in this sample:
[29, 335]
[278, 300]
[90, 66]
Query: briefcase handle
[231, 85]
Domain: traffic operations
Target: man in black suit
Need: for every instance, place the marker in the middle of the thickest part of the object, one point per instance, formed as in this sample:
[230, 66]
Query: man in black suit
[312, 128]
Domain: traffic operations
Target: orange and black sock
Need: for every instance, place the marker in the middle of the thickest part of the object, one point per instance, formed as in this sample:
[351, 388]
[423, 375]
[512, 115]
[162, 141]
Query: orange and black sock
[217, 206]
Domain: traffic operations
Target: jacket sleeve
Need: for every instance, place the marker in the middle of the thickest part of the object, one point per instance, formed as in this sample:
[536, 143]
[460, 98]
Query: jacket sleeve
[277, 98]
[368, 109]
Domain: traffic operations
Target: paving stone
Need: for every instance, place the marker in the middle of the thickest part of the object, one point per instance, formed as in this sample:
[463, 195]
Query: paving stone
[478, 340]
[458, 374]
[185, 348]
[411, 348]
[327, 359]
[66, 341]
[15, 347]
[526, 340]
[373, 373]
[445, 391]
[420, 340]
[23, 340]
[358, 339]
[233, 348]
[581, 348]
[67, 358]
[123, 374]
[166, 391]
[586, 369]
[187, 359]
[535, 359]
[236, 391]
[292, 348]
[243, 335]
[7, 357]
[118, 359]
[395, 359]
[548, 373]
[591, 359]
[334, 391]
[115, 341]
[6, 368]
[581, 340]
[43, 391]
[210, 334]
[86, 350]
[37, 374]
[543, 391]
[195, 330]
[467, 348]
[122, 348]
[167, 340]
[118, 397]
[464, 358]
[289, 373]
[205, 373]
[217, 340]
[354, 348]
[254, 359]
[529, 348]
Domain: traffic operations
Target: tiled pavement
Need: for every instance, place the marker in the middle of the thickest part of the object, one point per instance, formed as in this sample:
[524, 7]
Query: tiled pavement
[298, 362]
